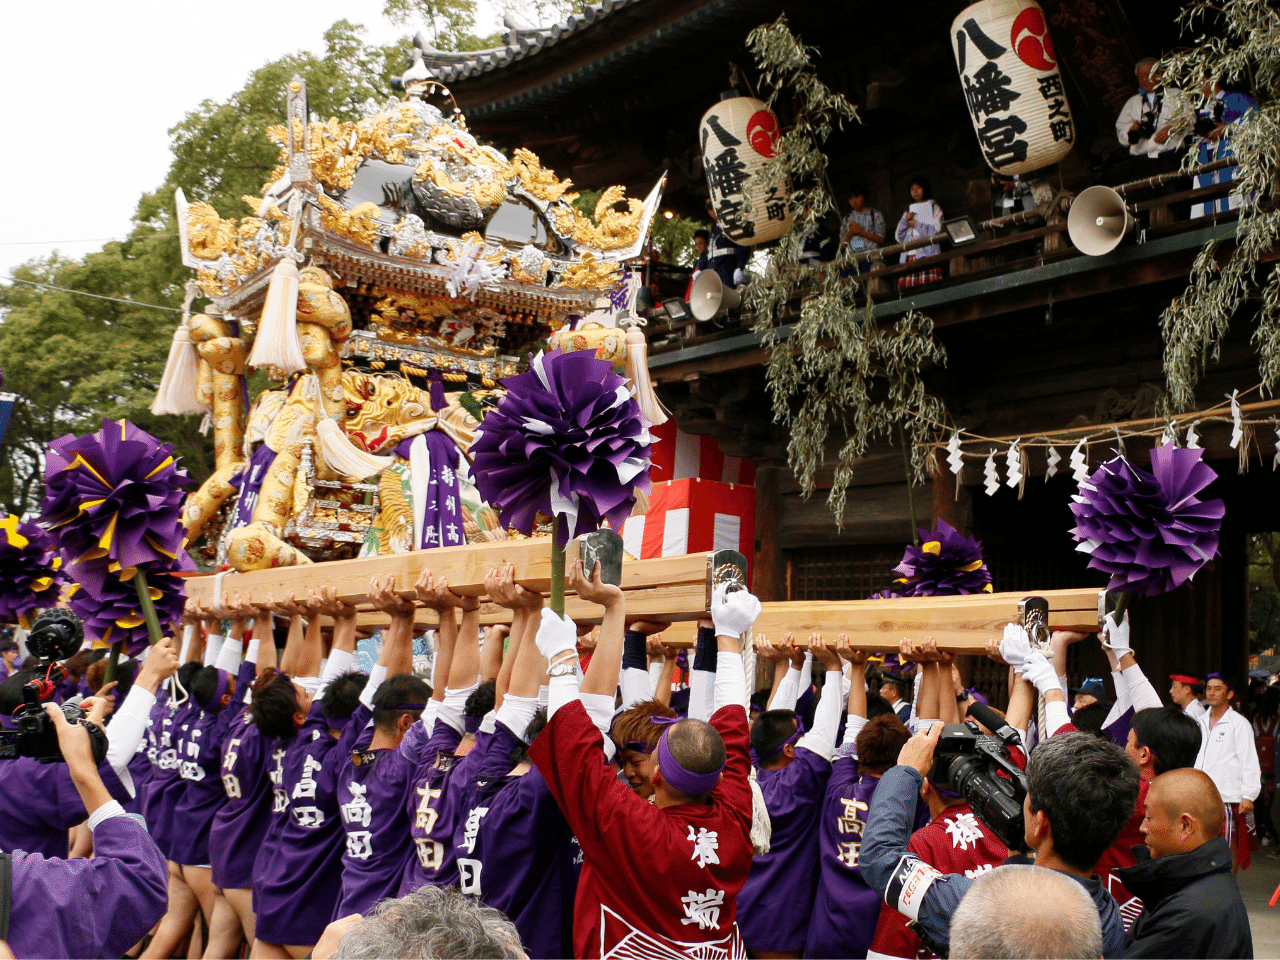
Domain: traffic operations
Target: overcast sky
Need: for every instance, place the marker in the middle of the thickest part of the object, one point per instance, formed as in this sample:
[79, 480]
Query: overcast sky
[91, 90]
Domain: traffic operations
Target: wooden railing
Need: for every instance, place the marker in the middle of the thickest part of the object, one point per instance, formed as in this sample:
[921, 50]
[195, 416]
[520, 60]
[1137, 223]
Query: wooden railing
[996, 251]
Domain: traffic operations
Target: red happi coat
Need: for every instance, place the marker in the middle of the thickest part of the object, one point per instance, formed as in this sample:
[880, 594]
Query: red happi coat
[654, 882]
[955, 841]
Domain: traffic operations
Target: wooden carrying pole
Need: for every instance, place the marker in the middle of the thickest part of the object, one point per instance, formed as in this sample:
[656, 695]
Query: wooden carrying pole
[957, 624]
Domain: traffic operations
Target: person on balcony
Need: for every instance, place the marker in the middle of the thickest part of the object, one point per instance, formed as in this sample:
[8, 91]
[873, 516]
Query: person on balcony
[1155, 121]
[1218, 110]
[864, 227]
[722, 255]
[922, 219]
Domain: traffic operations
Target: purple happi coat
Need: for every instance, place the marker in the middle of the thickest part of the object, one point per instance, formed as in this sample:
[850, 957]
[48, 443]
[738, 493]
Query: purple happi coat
[373, 796]
[204, 796]
[296, 889]
[240, 826]
[89, 908]
[431, 816]
[41, 804]
[517, 852]
[845, 909]
[166, 785]
[775, 904]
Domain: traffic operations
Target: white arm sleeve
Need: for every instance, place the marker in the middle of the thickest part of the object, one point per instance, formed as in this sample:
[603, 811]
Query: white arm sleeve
[376, 676]
[826, 720]
[701, 693]
[188, 635]
[560, 691]
[1141, 694]
[635, 687]
[853, 725]
[125, 732]
[229, 655]
[788, 692]
[731, 681]
[211, 648]
[655, 674]
[806, 673]
[599, 707]
[429, 716]
[255, 648]
[1251, 771]
[1122, 700]
[1055, 717]
[517, 712]
[452, 709]
[338, 663]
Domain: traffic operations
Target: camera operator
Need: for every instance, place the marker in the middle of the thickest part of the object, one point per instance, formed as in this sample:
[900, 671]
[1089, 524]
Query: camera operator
[85, 908]
[41, 800]
[1155, 121]
[1080, 793]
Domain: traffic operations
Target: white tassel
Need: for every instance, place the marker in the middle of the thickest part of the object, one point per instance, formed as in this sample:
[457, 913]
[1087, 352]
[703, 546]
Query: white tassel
[176, 394]
[1052, 459]
[638, 374]
[344, 456]
[992, 474]
[761, 825]
[276, 344]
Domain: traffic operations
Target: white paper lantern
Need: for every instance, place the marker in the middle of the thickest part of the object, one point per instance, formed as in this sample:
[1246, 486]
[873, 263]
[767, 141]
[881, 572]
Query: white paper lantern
[738, 136]
[1012, 85]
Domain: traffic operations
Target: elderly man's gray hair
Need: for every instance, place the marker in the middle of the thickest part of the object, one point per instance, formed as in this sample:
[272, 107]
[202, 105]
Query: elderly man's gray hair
[1144, 62]
[1025, 911]
[432, 923]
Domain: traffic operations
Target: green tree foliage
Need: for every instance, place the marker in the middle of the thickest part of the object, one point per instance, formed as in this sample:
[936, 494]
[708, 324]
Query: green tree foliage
[450, 24]
[1242, 47]
[74, 360]
[838, 371]
[672, 238]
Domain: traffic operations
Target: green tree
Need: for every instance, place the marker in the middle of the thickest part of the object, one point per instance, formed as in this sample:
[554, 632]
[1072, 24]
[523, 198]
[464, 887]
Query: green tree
[75, 360]
[450, 24]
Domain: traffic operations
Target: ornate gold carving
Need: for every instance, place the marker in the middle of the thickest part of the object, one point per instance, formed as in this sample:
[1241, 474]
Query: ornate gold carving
[208, 235]
[358, 225]
[540, 182]
[612, 228]
[589, 274]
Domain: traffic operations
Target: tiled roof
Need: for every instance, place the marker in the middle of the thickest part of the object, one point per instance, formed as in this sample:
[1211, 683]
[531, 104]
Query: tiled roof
[520, 44]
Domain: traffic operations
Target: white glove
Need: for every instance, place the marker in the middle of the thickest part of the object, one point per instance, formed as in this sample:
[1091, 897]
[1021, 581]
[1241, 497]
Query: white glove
[1118, 636]
[733, 613]
[738, 277]
[1015, 646]
[556, 636]
[1037, 668]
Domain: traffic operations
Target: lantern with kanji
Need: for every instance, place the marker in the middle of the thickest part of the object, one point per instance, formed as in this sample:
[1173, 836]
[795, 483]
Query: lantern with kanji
[1012, 85]
[738, 136]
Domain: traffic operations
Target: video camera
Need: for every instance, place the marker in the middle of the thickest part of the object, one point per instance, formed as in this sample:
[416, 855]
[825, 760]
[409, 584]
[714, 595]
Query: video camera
[56, 635]
[1208, 120]
[979, 768]
[1146, 124]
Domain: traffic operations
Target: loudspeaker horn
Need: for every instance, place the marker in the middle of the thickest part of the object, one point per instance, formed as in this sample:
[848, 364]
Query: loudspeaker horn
[1098, 221]
[710, 296]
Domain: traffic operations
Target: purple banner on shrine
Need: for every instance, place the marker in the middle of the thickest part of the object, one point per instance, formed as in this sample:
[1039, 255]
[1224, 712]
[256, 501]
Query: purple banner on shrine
[249, 481]
[442, 519]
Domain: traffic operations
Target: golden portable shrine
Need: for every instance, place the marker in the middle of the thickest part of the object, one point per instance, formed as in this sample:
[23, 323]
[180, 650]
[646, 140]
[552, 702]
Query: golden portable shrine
[392, 272]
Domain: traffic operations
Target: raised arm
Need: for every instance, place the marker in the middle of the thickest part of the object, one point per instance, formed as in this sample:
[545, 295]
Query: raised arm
[857, 704]
[601, 679]
[733, 615]
[291, 658]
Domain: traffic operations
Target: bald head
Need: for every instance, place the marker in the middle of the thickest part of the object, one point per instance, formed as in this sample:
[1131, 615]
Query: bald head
[696, 746]
[1065, 922]
[1184, 811]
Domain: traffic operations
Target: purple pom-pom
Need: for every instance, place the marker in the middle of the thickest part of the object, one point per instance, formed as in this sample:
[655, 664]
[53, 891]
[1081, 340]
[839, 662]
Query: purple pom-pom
[1148, 531]
[114, 495]
[945, 564]
[110, 609]
[30, 574]
[567, 439]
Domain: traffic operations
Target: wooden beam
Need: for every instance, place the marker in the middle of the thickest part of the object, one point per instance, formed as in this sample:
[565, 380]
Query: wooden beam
[673, 588]
[957, 624]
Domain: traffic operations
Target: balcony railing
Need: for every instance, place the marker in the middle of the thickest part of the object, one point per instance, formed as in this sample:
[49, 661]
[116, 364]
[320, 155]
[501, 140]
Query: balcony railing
[996, 252]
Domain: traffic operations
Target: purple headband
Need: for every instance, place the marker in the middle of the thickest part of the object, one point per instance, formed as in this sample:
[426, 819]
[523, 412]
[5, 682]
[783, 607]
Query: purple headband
[756, 759]
[973, 692]
[686, 781]
[1215, 676]
[471, 724]
[642, 746]
[219, 690]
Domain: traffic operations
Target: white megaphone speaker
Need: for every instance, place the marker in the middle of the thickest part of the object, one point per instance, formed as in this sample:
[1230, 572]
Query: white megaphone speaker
[1098, 221]
[710, 296]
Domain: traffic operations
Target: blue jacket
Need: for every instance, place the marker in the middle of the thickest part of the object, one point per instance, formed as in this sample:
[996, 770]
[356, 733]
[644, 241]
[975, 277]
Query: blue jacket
[920, 892]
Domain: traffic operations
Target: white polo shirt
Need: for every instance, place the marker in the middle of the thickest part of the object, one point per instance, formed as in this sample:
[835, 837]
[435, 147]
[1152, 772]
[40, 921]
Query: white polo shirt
[1228, 756]
[1195, 710]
